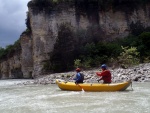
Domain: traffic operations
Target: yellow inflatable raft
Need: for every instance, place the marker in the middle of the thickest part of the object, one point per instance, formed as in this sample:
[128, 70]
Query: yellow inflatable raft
[93, 87]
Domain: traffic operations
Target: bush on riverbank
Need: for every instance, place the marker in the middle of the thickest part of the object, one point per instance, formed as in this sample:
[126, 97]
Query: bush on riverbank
[125, 52]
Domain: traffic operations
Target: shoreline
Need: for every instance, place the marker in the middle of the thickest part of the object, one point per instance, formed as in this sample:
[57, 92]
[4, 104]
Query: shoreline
[139, 73]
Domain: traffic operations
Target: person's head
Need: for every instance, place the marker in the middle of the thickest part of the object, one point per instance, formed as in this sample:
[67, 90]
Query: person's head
[103, 66]
[78, 70]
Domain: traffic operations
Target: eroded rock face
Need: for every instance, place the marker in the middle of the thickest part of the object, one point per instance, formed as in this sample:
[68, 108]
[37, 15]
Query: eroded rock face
[11, 68]
[112, 24]
[26, 56]
[37, 49]
[19, 64]
[4, 70]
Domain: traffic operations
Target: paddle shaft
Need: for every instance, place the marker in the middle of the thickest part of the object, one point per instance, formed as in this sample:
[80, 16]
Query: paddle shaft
[80, 87]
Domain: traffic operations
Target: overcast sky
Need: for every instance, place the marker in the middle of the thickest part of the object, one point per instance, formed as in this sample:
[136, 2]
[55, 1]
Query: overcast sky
[12, 20]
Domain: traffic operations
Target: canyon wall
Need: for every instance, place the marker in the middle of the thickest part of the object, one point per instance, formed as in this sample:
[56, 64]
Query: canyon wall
[47, 37]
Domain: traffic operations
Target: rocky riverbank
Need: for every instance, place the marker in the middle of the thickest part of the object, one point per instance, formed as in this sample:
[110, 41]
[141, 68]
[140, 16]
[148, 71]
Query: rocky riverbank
[140, 73]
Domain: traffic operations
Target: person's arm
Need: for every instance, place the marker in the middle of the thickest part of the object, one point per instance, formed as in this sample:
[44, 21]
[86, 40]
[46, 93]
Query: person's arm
[103, 73]
[98, 73]
[75, 78]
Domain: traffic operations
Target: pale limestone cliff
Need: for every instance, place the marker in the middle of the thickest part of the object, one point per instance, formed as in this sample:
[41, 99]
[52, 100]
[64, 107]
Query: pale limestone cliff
[11, 68]
[38, 47]
[26, 56]
[4, 70]
[45, 28]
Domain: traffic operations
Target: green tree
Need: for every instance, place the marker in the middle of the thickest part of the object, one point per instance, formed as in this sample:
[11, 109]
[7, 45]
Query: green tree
[144, 45]
[129, 57]
[77, 63]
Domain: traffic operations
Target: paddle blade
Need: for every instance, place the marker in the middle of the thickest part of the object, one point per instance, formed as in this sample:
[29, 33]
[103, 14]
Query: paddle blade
[83, 90]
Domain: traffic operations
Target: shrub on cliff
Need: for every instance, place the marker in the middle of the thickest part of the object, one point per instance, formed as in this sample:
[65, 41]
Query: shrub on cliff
[40, 5]
[2, 52]
[10, 50]
[47, 5]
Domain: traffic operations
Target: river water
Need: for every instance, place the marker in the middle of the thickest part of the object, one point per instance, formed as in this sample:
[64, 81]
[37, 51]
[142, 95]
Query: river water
[16, 98]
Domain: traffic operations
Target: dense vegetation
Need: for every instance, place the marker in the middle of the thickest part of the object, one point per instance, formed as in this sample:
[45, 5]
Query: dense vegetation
[122, 52]
[28, 30]
[47, 6]
[84, 5]
[135, 45]
[10, 50]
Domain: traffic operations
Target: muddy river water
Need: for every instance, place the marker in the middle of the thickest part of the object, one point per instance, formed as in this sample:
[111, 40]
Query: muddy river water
[35, 98]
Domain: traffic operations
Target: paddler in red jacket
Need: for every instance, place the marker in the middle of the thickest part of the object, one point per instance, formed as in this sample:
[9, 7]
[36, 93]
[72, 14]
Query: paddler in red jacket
[105, 74]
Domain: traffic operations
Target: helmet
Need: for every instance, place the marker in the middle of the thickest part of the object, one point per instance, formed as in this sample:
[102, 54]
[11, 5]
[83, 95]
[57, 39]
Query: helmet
[104, 66]
[78, 69]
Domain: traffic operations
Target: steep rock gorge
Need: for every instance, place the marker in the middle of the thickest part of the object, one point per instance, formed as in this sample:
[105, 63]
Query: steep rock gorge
[57, 29]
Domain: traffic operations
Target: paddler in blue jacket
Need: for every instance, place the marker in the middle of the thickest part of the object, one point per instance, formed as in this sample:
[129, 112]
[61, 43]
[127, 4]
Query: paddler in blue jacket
[79, 78]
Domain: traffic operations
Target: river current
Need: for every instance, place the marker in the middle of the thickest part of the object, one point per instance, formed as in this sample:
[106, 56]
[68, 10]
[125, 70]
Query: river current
[35, 98]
